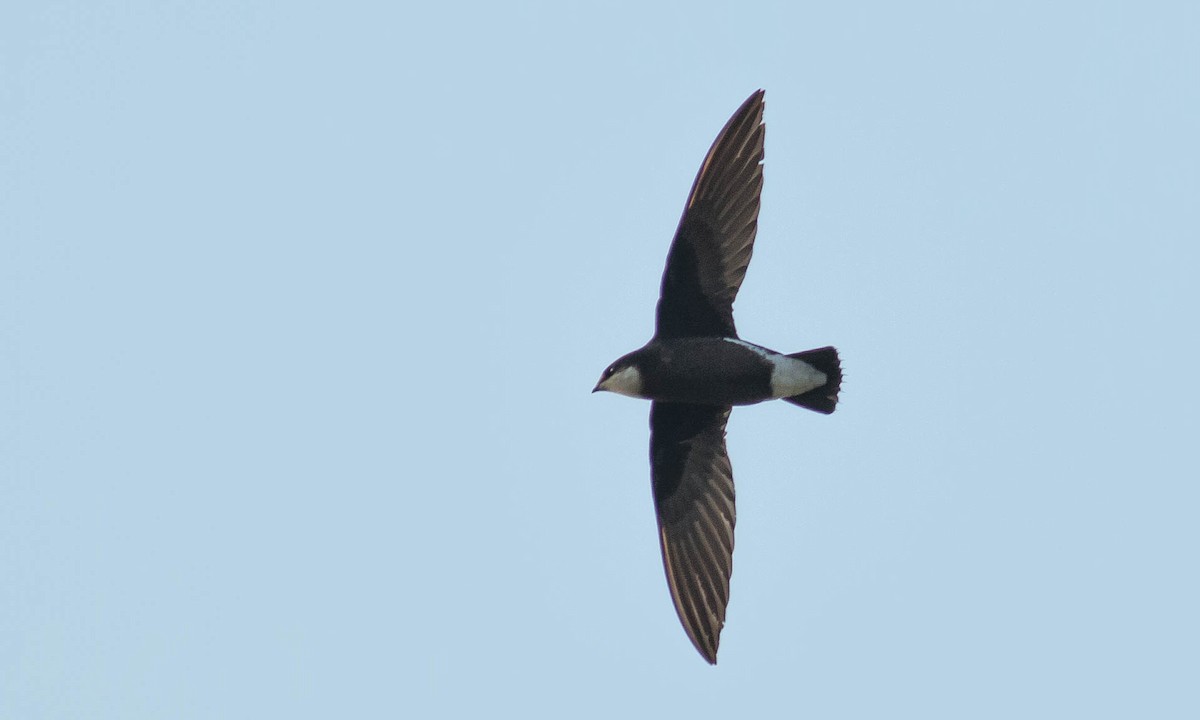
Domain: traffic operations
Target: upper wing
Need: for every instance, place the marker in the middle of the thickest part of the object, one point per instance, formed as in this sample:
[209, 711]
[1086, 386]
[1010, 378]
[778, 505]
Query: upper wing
[694, 499]
[712, 246]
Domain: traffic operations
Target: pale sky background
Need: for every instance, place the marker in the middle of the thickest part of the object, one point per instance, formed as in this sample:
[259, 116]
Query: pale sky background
[301, 304]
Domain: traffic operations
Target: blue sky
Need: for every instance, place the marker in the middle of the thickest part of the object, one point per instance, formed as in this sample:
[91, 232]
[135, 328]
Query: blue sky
[301, 305]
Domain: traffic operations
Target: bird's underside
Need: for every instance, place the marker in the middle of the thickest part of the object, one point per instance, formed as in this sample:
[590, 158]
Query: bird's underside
[690, 470]
[695, 368]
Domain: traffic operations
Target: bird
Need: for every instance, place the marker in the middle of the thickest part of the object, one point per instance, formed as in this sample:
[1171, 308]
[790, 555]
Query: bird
[695, 369]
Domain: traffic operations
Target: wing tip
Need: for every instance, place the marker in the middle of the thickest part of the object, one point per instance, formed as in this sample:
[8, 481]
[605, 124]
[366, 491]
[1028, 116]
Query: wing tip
[705, 638]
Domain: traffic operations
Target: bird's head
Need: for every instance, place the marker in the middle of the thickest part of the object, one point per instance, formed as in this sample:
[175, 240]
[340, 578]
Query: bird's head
[622, 377]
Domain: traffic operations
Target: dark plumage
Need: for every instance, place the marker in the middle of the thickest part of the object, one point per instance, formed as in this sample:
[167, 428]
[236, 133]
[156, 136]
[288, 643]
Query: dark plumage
[695, 369]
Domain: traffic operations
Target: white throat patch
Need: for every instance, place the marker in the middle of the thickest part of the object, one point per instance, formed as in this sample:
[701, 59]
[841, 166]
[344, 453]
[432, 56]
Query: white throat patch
[626, 381]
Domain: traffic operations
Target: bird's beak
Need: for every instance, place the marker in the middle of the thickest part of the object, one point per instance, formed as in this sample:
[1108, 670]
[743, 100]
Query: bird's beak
[597, 388]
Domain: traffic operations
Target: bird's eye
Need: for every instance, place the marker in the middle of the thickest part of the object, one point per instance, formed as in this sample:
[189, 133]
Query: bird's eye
[609, 371]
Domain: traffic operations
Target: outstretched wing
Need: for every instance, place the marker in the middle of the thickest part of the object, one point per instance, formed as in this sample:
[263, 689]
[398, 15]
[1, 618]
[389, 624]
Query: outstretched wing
[694, 500]
[712, 246]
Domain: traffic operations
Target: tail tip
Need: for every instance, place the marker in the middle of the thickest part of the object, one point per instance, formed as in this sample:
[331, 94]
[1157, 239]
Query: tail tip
[825, 398]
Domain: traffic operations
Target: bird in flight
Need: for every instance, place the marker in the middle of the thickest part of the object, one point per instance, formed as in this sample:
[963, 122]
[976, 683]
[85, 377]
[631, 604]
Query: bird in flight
[696, 368]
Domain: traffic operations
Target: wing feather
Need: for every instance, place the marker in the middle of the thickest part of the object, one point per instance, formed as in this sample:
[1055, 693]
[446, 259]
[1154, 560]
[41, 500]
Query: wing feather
[715, 238]
[694, 500]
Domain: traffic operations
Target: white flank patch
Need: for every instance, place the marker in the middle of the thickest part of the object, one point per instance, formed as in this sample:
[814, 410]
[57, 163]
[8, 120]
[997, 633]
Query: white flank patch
[761, 351]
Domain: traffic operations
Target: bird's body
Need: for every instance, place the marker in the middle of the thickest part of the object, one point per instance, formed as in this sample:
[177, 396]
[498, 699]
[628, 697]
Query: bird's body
[696, 368]
[716, 371]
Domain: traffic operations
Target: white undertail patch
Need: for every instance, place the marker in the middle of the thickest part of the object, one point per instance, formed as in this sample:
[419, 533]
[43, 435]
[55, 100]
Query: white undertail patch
[789, 376]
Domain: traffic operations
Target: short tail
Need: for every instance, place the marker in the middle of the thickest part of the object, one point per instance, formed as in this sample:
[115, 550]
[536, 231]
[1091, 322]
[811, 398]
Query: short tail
[823, 399]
